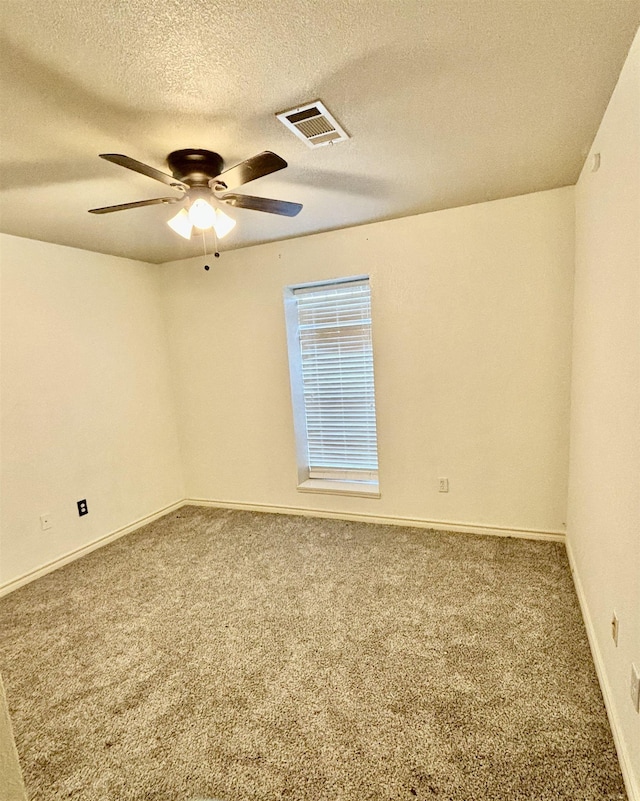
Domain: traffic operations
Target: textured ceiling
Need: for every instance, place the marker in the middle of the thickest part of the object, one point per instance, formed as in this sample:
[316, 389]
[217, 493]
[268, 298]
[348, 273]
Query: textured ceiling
[448, 102]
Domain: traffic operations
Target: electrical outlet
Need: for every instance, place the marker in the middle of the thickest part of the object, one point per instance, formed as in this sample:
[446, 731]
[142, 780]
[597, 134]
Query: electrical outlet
[614, 628]
[443, 485]
[635, 687]
[45, 522]
[82, 507]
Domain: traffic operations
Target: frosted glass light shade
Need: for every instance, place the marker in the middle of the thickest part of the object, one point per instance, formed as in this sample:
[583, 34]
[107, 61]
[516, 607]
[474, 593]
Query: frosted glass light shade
[202, 214]
[223, 224]
[181, 224]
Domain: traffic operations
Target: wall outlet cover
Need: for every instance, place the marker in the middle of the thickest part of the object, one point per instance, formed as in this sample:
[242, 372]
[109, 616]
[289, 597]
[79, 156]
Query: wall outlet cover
[82, 507]
[45, 522]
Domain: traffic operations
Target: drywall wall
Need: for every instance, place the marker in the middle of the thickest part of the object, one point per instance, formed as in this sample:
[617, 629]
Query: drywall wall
[604, 488]
[471, 329]
[12, 788]
[87, 410]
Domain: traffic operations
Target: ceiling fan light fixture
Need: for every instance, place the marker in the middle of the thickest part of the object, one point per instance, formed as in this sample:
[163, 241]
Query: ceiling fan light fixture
[181, 224]
[202, 214]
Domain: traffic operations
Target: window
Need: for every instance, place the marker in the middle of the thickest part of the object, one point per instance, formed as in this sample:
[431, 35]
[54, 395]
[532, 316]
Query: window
[332, 389]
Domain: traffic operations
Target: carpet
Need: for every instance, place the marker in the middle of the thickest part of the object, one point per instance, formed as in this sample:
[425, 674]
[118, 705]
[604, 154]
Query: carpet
[251, 657]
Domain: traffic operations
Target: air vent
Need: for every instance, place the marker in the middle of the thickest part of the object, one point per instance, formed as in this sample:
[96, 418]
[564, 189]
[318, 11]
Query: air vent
[313, 124]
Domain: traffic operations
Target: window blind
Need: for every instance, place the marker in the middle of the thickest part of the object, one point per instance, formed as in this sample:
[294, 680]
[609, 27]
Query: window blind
[334, 331]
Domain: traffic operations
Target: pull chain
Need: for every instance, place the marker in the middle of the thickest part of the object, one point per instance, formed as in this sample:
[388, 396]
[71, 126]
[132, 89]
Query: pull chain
[215, 241]
[204, 246]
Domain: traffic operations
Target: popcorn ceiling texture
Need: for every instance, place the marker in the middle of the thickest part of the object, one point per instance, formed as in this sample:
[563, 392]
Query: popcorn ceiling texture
[448, 103]
[244, 657]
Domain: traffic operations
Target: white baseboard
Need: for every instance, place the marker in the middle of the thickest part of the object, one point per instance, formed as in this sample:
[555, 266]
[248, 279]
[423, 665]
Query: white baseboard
[624, 757]
[439, 525]
[71, 556]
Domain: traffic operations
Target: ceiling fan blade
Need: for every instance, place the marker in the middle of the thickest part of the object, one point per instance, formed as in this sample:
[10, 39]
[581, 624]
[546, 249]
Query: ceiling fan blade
[144, 169]
[262, 204]
[135, 205]
[263, 164]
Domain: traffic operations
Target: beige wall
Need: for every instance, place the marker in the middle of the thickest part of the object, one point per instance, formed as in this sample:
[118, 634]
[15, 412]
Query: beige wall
[86, 404]
[471, 327]
[604, 493]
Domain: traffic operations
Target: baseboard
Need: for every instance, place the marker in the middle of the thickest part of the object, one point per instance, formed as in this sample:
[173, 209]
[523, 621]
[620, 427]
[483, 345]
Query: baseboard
[438, 525]
[71, 556]
[624, 757]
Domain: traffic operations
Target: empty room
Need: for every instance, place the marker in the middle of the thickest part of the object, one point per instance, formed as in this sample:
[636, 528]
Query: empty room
[320, 400]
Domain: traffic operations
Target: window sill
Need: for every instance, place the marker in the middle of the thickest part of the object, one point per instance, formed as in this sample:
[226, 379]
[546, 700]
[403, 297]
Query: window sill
[369, 489]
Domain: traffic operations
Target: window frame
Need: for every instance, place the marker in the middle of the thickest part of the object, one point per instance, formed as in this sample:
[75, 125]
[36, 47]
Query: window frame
[368, 484]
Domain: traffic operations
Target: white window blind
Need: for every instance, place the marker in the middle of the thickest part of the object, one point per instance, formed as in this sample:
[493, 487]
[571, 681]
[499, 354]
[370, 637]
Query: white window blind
[336, 363]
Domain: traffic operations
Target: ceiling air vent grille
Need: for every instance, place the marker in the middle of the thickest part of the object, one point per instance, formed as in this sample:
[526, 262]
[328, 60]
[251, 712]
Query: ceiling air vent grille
[313, 124]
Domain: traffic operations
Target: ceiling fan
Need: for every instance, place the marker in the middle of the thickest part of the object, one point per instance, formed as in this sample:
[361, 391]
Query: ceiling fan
[197, 175]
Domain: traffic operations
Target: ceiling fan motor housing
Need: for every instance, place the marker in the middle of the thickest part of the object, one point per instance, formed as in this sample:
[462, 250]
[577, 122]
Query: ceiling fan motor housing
[195, 167]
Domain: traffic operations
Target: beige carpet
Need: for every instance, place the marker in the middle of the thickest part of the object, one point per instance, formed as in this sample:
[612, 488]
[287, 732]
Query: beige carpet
[247, 656]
